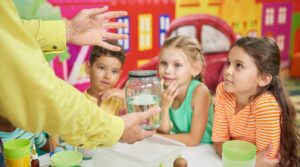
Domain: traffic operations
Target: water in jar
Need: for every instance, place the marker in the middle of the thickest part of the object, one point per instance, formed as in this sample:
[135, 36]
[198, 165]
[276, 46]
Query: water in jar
[143, 102]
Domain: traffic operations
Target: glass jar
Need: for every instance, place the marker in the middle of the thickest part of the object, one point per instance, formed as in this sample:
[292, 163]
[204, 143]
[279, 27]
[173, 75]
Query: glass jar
[143, 92]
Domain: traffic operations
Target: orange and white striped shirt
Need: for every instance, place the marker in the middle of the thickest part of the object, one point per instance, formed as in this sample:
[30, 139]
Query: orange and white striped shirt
[258, 122]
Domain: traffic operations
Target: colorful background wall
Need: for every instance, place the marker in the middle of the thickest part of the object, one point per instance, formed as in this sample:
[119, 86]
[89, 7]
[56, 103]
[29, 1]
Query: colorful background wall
[150, 20]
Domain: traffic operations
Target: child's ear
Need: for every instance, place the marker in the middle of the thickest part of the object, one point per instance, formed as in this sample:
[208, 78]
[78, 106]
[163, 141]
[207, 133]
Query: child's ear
[87, 67]
[264, 80]
[197, 68]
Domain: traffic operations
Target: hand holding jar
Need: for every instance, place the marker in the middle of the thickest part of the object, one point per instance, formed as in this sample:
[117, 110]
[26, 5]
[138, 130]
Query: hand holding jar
[142, 93]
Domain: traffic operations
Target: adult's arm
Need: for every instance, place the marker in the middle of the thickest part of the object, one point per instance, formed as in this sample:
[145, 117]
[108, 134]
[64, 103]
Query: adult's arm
[88, 27]
[50, 35]
[34, 99]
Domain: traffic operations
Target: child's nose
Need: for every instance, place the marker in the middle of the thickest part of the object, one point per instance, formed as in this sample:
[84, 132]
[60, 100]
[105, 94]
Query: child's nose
[107, 75]
[228, 71]
[168, 69]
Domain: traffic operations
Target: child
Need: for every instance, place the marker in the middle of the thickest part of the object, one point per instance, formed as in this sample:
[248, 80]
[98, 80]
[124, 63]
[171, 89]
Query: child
[104, 69]
[186, 102]
[251, 104]
[9, 131]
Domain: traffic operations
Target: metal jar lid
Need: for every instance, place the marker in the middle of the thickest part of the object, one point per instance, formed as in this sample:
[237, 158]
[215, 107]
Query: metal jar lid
[142, 73]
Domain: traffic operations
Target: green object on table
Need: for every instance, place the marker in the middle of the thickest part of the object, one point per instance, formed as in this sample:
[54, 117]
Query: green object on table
[66, 159]
[16, 148]
[238, 153]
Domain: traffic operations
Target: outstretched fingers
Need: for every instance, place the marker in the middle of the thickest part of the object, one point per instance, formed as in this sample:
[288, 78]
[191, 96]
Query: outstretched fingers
[108, 25]
[95, 11]
[113, 36]
[114, 14]
[108, 46]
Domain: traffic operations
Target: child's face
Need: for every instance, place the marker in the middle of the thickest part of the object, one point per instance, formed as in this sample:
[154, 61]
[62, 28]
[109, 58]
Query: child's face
[174, 66]
[104, 73]
[241, 74]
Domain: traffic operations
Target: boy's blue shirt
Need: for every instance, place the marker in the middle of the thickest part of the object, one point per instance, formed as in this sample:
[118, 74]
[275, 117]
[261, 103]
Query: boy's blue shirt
[38, 139]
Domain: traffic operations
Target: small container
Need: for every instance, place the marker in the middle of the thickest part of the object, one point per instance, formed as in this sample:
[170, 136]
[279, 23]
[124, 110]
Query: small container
[17, 153]
[154, 151]
[87, 153]
[237, 153]
[34, 157]
[143, 92]
[66, 159]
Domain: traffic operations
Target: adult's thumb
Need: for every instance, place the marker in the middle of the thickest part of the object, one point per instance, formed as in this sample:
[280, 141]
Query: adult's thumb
[149, 113]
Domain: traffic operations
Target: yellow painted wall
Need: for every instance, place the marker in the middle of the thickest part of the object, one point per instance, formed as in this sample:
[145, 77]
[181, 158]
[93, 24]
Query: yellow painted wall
[244, 16]
[188, 7]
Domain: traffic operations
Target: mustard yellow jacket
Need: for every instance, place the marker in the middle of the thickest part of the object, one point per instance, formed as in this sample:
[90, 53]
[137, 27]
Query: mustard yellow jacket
[33, 98]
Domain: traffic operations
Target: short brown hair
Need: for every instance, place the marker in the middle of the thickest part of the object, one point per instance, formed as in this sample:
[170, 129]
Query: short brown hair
[99, 51]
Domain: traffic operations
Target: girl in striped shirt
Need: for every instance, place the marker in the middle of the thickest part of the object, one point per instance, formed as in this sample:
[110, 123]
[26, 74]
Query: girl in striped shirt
[251, 104]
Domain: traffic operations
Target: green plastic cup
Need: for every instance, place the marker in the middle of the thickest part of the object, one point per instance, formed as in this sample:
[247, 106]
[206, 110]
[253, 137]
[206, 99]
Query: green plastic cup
[237, 153]
[66, 159]
[17, 152]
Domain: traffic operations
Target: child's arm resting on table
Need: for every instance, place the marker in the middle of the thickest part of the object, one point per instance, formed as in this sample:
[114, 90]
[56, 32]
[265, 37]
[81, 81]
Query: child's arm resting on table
[220, 132]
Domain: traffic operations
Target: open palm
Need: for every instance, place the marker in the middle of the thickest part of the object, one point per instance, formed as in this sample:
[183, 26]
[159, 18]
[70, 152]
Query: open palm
[90, 27]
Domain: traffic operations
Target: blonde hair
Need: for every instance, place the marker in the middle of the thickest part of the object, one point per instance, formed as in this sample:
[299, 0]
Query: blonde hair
[190, 47]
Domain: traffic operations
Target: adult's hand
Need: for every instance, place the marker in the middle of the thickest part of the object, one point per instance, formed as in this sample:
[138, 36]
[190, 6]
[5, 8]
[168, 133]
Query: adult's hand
[89, 27]
[133, 131]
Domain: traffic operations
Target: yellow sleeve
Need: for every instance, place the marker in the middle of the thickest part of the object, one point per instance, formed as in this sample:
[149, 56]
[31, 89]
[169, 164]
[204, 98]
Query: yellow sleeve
[50, 35]
[34, 99]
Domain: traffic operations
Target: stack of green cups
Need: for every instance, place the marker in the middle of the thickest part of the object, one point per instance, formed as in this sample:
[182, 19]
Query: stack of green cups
[237, 153]
[17, 153]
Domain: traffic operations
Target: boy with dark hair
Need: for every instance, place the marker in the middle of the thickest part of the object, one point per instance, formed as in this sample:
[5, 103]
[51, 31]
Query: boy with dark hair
[104, 69]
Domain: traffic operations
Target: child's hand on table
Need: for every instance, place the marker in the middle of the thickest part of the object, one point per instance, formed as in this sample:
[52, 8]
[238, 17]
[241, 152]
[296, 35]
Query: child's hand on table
[262, 159]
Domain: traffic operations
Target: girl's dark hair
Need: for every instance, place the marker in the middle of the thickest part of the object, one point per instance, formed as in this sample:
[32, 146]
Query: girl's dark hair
[266, 55]
[99, 51]
[190, 47]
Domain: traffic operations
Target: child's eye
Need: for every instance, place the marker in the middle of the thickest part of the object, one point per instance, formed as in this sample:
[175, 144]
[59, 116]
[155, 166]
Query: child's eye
[177, 65]
[115, 72]
[101, 67]
[239, 66]
[163, 63]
